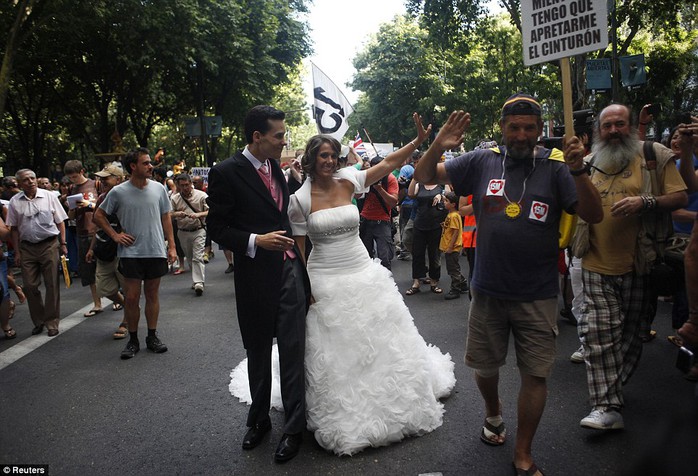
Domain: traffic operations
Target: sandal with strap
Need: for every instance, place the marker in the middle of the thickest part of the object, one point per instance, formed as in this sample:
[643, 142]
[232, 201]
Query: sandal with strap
[676, 340]
[436, 290]
[412, 291]
[10, 333]
[491, 434]
[117, 306]
[532, 471]
[121, 332]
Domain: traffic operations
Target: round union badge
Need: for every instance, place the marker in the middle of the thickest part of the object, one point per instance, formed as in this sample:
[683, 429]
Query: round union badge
[513, 210]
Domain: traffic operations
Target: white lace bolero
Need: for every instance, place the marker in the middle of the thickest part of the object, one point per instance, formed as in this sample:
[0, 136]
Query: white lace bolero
[299, 204]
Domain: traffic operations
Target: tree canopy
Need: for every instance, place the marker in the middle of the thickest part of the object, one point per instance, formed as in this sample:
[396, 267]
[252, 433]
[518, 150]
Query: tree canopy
[451, 54]
[74, 73]
[86, 69]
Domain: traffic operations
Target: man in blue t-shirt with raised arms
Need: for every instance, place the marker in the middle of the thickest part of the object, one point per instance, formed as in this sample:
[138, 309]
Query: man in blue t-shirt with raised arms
[143, 209]
[519, 193]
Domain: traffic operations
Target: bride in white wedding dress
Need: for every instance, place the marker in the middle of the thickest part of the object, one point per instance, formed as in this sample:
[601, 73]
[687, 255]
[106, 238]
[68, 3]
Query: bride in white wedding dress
[371, 379]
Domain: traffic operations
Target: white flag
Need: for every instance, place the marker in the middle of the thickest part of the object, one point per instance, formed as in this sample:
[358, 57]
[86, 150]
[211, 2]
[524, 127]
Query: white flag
[331, 108]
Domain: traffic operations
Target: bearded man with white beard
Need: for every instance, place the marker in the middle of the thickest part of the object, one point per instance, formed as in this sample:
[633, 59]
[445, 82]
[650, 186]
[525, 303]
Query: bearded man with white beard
[615, 290]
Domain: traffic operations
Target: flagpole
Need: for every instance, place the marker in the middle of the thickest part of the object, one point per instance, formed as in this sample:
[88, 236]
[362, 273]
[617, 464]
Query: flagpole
[369, 139]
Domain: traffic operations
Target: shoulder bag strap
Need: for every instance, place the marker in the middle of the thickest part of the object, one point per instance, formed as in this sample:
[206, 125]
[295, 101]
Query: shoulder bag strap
[380, 200]
[192, 209]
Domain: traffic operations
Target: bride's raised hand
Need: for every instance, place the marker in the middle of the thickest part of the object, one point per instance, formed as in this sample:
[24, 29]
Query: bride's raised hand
[396, 158]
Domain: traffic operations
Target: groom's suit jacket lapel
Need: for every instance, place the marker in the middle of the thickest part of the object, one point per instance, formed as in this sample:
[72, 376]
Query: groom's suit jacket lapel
[250, 174]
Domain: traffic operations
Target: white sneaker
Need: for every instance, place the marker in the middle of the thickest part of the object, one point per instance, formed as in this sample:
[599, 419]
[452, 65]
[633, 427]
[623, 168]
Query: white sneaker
[603, 420]
[578, 356]
[199, 288]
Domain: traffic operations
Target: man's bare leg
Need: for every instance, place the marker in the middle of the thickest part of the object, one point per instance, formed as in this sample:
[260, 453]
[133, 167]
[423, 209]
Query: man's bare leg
[532, 397]
[489, 389]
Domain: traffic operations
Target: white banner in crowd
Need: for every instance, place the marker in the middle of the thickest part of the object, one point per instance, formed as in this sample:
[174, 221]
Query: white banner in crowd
[330, 107]
[200, 171]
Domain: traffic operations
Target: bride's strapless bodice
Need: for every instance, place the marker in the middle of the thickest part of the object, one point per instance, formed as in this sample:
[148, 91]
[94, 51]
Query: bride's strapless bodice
[337, 247]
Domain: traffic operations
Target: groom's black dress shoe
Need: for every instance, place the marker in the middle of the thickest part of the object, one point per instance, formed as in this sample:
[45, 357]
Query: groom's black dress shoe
[254, 435]
[288, 447]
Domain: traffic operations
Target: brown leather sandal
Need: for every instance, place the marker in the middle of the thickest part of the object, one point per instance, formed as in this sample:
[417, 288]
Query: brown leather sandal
[121, 332]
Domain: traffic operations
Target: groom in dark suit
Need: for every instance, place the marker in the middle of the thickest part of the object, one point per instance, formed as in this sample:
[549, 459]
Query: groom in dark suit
[248, 200]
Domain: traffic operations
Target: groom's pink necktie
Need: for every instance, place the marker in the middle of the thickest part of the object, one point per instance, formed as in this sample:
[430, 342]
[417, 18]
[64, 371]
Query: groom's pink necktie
[264, 172]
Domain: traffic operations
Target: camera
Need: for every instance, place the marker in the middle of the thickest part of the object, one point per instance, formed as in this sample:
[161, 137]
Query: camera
[685, 360]
[655, 110]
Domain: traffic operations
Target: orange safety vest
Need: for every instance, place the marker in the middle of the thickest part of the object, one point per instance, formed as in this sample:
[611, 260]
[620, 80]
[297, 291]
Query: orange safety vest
[469, 228]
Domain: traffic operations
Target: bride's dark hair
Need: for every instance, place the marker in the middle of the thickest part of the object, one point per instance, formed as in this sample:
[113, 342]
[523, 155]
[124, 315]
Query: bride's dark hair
[312, 149]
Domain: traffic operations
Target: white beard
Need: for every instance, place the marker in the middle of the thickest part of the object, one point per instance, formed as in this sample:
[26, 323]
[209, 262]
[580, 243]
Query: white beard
[614, 158]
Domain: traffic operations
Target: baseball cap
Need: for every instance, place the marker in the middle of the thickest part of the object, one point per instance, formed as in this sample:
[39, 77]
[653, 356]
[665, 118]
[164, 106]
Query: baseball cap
[110, 169]
[521, 104]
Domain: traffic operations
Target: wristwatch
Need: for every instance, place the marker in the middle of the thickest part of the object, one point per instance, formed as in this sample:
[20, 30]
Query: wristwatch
[582, 171]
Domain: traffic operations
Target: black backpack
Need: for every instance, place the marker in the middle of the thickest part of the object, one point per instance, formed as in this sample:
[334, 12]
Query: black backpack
[105, 248]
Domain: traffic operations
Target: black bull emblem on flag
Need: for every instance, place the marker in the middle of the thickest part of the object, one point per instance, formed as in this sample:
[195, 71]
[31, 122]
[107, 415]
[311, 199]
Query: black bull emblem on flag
[337, 117]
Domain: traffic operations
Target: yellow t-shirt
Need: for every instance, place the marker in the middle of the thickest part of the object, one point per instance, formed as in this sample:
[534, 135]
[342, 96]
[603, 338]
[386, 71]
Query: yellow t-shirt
[614, 239]
[453, 224]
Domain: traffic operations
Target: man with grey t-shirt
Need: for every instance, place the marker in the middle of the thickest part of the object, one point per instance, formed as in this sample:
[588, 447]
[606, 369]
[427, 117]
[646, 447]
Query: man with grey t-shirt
[143, 209]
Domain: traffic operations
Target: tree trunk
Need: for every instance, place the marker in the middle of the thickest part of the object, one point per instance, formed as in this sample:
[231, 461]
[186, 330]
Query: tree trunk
[24, 8]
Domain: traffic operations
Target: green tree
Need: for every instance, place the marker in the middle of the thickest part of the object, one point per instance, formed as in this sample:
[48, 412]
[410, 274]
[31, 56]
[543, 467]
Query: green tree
[450, 23]
[138, 66]
[17, 19]
[399, 74]
[290, 97]
[672, 69]
[492, 71]
[246, 58]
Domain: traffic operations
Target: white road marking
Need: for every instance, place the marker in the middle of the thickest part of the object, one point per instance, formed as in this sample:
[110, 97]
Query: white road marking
[32, 343]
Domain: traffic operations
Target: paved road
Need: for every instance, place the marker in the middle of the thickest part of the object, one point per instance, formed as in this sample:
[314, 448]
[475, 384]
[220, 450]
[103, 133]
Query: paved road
[71, 403]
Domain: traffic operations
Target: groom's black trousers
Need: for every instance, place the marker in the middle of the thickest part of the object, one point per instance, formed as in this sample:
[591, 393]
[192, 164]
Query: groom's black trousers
[290, 332]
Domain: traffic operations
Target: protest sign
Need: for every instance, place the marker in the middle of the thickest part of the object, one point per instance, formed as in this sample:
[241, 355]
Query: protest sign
[555, 29]
[558, 29]
[201, 172]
